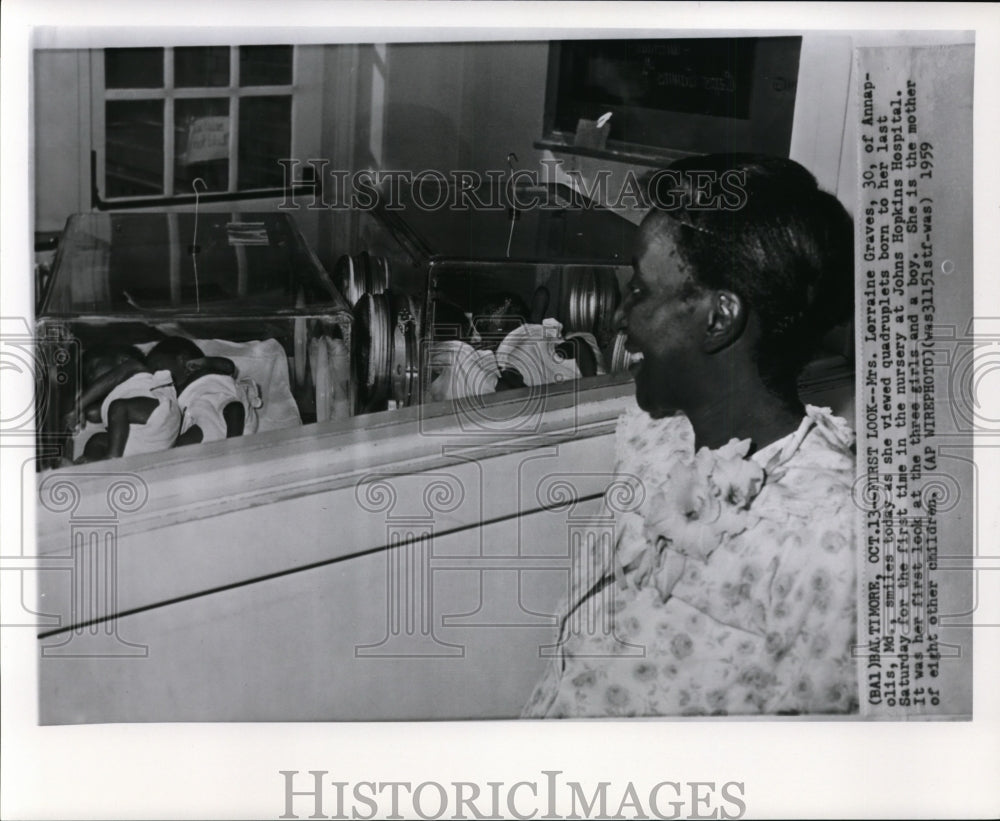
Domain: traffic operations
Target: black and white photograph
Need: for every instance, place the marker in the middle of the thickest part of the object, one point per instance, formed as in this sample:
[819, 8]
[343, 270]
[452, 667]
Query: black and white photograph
[486, 385]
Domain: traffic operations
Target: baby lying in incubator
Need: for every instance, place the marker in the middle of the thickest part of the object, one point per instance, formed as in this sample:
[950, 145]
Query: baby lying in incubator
[175, 395]
[137, 406]
[505, 350]
[214, 404]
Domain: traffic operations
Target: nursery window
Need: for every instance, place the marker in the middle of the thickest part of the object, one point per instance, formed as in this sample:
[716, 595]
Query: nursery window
[169, 116]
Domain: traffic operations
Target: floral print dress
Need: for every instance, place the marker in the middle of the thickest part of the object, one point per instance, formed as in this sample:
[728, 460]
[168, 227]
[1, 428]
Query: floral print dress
[731, 586]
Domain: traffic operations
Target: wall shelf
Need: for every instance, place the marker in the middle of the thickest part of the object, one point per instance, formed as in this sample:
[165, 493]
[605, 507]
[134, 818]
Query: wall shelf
[629, 155]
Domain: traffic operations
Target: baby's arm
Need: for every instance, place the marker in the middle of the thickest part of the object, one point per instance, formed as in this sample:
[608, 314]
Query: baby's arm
[211, 364]
[125, 412]
[192, 436]
[579, 350]
[102, 386]
[235, 416]
[510, 379]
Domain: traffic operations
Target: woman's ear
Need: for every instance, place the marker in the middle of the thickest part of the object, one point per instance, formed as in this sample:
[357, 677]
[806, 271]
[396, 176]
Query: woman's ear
[726, 321]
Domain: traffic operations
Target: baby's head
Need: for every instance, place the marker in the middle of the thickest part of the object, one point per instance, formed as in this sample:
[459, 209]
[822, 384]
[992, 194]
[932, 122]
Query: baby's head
[172, 354]
[497, 315]
[450, 321]
[102, 359]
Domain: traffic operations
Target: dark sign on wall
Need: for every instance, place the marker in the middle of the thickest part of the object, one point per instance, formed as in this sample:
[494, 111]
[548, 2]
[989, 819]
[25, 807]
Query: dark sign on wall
[676, 96]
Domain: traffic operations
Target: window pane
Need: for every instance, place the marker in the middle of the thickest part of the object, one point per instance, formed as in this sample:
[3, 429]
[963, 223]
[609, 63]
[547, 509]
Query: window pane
[133, 68]
[265, 65]
[265, 137]
[134, 148]
[201, 144]
[201, 66]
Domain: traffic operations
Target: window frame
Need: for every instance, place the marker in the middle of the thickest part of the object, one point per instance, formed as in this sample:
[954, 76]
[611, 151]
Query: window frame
[306, 105]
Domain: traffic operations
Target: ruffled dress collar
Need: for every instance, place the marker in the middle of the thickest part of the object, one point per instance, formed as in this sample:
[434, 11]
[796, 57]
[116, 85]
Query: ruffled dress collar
[684, 503]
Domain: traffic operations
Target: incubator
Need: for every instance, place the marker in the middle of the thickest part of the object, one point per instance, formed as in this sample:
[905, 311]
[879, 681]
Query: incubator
[489, 290]
[463, 291]
[241, 285]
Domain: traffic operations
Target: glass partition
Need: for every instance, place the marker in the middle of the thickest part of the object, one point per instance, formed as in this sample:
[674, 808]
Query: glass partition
[429, 306]
[243, 287]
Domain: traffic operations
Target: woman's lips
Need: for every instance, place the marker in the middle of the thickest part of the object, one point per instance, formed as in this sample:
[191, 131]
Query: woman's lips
[634, 361]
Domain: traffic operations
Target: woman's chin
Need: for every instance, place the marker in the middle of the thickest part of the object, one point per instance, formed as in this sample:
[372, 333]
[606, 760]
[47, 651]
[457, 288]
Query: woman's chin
[644, 395]
[651, 396]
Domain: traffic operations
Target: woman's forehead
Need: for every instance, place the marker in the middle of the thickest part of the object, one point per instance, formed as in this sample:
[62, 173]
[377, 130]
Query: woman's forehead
[657, 226]
[656, 246]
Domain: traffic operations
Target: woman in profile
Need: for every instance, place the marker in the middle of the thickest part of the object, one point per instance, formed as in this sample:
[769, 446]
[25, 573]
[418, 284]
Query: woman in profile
[731, 586]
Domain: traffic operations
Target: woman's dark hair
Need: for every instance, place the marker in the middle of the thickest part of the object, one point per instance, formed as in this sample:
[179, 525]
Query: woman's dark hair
[761, 227]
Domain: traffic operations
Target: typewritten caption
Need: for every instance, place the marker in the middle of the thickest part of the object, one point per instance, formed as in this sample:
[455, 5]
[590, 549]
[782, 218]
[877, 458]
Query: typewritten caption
[902, 271]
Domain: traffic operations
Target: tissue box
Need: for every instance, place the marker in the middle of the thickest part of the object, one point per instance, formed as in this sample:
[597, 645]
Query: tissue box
[590, 135]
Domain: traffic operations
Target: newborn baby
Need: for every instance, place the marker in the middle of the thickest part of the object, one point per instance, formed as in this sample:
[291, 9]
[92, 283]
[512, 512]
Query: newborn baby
[503, 324]
[214, 404]
[137, 404]
[510, 348]
[495, 317]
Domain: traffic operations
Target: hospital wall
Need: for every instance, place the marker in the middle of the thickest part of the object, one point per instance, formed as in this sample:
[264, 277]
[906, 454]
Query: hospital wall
[420, 106]
[396, 567]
